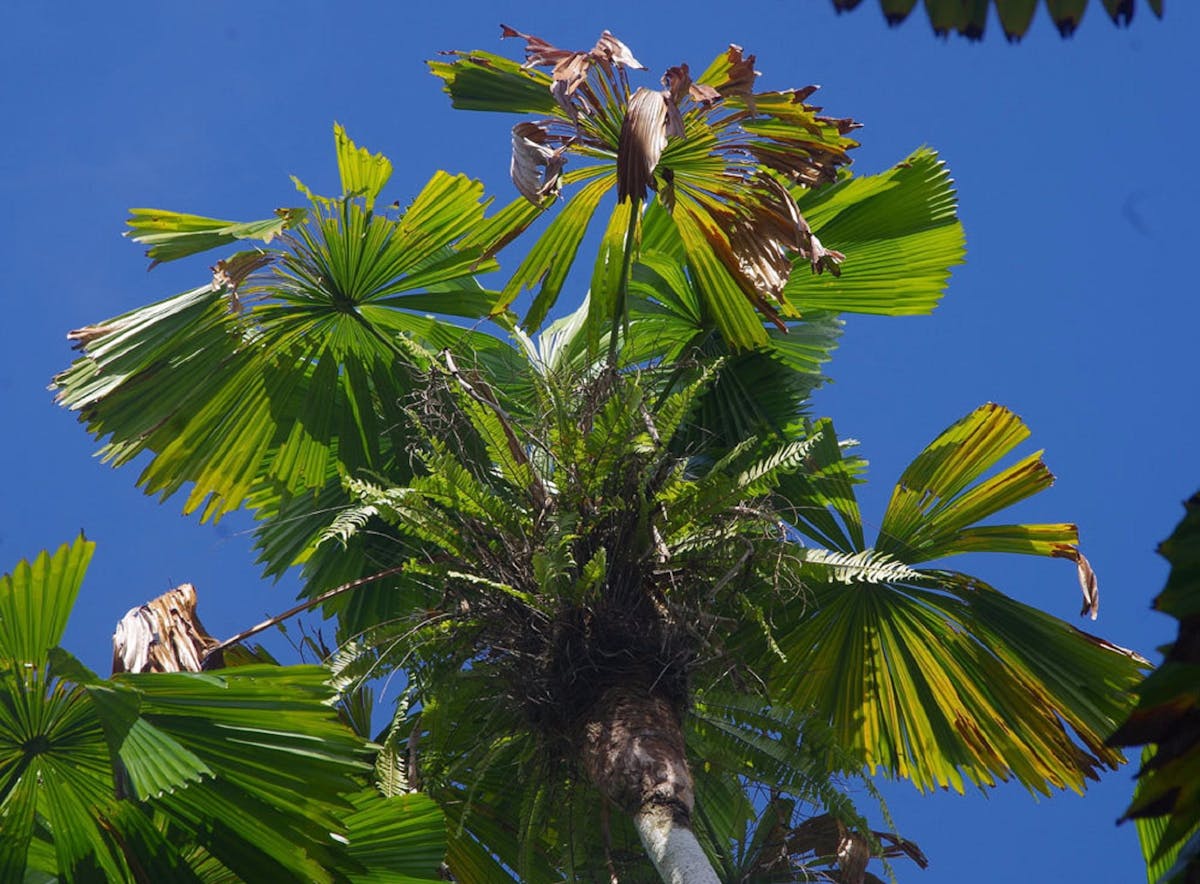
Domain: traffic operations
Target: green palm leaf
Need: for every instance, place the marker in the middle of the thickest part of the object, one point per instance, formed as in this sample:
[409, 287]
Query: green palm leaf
[819, 500]
[245, 772]
[400, 839]
[48, 734]
[36, 599]
[54, 772]
[173, 235]
[1166, 802]
[484, 81]
[550, 258]
[900, 233]
[940, 678]
[968, 18]
[363, 174]
[492, 832]
[934, 504]
[284, 376]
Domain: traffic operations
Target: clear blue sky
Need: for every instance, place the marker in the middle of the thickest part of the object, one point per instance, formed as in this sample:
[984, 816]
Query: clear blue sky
[1075, 163]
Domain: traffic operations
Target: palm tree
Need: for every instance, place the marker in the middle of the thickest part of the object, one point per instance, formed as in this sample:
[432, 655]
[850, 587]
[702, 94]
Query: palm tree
[241, 774]
[628, 581]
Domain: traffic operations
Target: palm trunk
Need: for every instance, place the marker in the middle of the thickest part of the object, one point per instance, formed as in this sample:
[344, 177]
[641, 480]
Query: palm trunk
[633, 750]
[673, 848]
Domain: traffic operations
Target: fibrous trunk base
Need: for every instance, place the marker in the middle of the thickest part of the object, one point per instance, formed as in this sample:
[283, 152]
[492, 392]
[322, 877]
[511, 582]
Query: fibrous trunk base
[633, 750]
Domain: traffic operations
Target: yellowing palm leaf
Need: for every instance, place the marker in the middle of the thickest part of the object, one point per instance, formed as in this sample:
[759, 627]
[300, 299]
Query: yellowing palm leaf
[939, 678]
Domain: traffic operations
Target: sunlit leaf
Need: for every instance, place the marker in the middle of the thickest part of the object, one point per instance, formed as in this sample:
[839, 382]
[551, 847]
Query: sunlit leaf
[900, 233]
[36, 599]
[934, 503]
[940, 678]
[173, 235]
[485, 81]
[363, 173]
[296, 387]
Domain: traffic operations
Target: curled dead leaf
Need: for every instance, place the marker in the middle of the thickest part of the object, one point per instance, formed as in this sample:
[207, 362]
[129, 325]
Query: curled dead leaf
[853, 854]
[1089, 586]
[1088, 583]
[536, 168]
[765, 236]
[803, 239]
[678, 80]
[569, 67]
[538, 52]
[830, 840]
[610, 50]
[648, 121]
[822, 258]
[762, 257]
[230, 273]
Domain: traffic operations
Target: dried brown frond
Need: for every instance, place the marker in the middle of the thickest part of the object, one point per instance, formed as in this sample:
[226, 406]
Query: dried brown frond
[795, 232]
[536, 168]
[82, 337]
[230, 273]
[163, 635]
[611, 51]
[1088, 583]
[570, 67]
[831, 841]
[643, 138]
[741, 76]
[539, 52]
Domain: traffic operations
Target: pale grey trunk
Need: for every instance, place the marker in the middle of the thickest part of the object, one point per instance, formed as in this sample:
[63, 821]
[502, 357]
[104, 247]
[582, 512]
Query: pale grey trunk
[633, 750]
[673, 848]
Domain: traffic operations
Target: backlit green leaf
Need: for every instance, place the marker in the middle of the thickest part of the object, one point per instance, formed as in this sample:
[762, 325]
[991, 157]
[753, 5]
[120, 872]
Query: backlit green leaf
[173, 235]
[36, 599]
[363, 173]
[900, 233]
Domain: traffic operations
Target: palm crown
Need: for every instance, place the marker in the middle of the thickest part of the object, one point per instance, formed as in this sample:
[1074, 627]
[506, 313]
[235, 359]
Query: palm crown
[725, 160]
